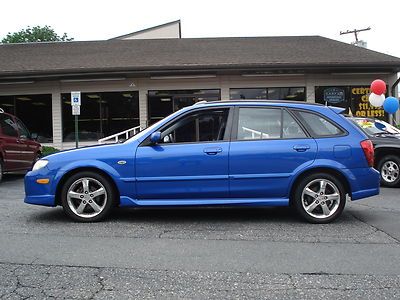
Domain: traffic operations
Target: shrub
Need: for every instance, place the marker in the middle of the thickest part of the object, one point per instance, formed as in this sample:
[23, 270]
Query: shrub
[49, 150]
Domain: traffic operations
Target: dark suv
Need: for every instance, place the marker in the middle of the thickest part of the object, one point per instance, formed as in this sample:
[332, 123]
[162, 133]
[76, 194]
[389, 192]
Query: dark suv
[18, 152]
[386, 140]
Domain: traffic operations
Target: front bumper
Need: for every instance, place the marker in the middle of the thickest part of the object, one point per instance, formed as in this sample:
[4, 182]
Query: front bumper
[39, 194]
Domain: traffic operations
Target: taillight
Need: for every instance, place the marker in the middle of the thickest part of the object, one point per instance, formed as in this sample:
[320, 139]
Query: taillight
[368, 149]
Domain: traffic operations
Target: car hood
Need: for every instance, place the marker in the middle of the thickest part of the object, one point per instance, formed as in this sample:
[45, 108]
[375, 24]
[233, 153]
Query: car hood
[88, 152]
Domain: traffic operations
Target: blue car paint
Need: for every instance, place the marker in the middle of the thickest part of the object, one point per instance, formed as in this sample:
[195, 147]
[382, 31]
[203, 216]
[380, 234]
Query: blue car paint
[225, 178]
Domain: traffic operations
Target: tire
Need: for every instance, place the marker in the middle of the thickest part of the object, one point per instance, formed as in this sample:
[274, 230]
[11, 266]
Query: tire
[319, 198]
[1, 170]
[389, 168]
[87, 197]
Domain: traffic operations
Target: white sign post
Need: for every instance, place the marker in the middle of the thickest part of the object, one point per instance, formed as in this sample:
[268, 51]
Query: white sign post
[76, 111]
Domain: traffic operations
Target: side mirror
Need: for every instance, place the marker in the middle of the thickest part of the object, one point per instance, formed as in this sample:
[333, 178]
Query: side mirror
[155, 137]
[34, 136]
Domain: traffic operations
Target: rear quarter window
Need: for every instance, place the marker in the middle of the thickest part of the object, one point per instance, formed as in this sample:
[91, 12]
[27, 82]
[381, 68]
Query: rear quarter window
[318, 125]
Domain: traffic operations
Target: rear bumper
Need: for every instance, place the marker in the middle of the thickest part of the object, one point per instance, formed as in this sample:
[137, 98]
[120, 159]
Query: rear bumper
[364, 182]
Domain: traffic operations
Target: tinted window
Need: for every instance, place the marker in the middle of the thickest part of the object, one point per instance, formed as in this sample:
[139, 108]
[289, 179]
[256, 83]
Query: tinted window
[202, 126]
[23, 132]
[259, 123]
[291, 129]
[8, 126]
[35, 111]
[318, 125]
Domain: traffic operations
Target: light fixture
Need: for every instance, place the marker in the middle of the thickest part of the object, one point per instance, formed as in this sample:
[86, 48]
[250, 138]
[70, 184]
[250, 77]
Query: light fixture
[362, 73]
[24, 98]
[126, 95]
[39, 104]
[165, 99]
[93, 79]
[271, 74]
[17, 82]
[93, 96]
[167, 77]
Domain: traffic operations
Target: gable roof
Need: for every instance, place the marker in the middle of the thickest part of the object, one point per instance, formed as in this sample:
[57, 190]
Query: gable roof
[177, 22]
[144, 57]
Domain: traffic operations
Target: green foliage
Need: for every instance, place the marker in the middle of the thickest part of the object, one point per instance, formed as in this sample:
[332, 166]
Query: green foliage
[35, 34]
[48, 150]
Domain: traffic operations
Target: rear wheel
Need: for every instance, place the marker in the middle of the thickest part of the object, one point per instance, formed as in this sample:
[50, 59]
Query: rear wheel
[87, 197]
[1, 169]
[319, 198]
[389, 167]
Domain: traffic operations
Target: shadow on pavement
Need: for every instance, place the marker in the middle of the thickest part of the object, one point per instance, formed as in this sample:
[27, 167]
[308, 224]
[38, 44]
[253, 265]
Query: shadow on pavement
[180, 215]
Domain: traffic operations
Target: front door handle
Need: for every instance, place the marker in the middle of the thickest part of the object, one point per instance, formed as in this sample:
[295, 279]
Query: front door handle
[212, 150]
[301, 148]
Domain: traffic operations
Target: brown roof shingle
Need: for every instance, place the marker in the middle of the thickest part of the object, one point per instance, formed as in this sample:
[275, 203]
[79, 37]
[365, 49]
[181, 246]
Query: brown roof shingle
[187, 54]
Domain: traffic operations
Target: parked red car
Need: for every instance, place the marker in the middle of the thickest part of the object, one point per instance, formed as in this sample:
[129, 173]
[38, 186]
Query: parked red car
[18, 150]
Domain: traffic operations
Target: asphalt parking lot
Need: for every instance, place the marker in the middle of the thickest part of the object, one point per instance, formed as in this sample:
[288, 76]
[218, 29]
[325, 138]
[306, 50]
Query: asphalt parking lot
[209, 253]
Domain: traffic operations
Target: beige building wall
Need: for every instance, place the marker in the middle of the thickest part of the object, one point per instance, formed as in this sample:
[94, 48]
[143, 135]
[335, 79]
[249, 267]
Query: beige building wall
[143, 85]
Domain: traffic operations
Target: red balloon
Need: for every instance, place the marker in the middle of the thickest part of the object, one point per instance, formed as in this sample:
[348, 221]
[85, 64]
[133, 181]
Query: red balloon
[378, 87]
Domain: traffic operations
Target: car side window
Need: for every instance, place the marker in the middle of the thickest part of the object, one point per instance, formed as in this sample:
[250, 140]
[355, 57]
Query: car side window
[8, 126]
[199, 126]
[23, 131]
[318, 125]
[291, 129]
[259, 123]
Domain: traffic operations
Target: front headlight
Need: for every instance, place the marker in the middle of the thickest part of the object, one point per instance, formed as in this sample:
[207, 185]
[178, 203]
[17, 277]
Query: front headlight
[40, 164]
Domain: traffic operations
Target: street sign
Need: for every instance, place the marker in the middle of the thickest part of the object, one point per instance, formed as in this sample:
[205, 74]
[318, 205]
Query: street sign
[76, 110]
[75, 98]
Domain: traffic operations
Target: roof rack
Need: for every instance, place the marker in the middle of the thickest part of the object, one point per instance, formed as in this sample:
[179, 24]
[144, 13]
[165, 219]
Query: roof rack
[1, 110]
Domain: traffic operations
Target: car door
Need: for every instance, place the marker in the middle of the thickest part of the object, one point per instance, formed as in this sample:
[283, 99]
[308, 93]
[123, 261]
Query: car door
[28, 149]
[11, 146]
[190, 162]
[268, 146]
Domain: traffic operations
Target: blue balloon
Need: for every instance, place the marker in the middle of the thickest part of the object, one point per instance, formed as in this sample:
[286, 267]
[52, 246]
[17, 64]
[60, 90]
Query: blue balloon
[391, 105]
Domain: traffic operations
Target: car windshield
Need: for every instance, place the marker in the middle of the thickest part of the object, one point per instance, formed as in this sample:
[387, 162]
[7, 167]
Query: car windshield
[375, 127]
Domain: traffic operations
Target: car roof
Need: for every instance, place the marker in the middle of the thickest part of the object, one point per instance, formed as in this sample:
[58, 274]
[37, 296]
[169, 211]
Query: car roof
[255, 101]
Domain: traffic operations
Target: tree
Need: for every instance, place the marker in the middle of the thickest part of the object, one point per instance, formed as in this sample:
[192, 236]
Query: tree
[35, 34]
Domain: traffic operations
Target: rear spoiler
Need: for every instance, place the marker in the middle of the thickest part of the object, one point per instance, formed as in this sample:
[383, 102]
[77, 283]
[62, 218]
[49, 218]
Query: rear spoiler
[338, 110]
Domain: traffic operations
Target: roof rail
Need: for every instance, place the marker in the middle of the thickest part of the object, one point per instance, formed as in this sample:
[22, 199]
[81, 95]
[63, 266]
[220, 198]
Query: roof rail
[1, 110]
[200, 102]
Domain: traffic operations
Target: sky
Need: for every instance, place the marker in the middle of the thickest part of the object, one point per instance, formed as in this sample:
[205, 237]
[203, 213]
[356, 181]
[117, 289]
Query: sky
[99, 20]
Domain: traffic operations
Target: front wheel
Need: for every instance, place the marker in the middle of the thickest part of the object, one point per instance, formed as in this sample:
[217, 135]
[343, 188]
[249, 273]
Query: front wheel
[319, 198]
[87, 197]
[389, 168]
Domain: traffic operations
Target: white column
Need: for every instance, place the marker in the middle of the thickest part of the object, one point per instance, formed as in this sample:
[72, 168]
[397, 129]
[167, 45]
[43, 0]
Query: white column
[57, 118]
[224, 86]
[143, 115]
[310, 90]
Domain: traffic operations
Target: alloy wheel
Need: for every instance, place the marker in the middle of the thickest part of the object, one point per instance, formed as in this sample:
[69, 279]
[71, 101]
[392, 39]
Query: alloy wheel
[87, 197]
[320, 198]
[390, 171]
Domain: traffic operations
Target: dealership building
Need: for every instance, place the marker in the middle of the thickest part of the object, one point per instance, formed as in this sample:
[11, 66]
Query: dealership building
[139, 78]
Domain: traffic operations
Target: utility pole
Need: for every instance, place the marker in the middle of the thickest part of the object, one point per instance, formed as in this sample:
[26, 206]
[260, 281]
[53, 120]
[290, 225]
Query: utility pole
[356, 31]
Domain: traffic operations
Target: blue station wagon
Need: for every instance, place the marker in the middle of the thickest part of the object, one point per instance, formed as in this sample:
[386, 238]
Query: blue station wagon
[253, 153]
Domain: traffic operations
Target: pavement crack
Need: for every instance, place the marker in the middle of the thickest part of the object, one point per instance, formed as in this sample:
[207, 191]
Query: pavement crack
[375, 228]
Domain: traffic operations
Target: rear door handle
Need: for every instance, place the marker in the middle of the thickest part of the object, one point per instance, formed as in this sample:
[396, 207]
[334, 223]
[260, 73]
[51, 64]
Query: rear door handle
[301, 148]
[212, 150]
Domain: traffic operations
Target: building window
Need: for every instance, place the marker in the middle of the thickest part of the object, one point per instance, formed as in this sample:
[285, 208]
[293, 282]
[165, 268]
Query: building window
[163, 103]
[34, 110]
[285, 93]
[351, 98]
[102, 114]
